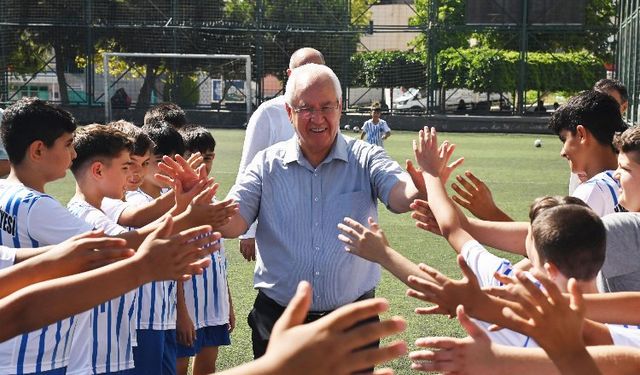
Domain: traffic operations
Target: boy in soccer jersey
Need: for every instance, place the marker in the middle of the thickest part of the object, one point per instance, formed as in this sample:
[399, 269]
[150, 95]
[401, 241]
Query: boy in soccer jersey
[39, 140]
[375, 129]
[205, 315]
[586, 126]
[155, 353]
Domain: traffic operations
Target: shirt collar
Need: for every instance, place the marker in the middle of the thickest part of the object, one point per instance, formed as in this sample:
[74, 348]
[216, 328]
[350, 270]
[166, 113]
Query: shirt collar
[339, 151]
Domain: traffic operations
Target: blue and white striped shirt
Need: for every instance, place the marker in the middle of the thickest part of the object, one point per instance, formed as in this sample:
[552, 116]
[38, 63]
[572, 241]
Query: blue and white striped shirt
[298, 208]
[156, 301]
[32, 219]
[600, 193]
[375, 132]
[206, 296]
[111, 325]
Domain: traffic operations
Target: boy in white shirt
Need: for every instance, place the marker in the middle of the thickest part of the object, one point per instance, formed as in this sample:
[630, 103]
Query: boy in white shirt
[205, 310]
[375, 129]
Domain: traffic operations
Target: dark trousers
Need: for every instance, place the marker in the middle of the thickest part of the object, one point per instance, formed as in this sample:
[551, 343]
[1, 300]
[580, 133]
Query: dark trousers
[266, 312]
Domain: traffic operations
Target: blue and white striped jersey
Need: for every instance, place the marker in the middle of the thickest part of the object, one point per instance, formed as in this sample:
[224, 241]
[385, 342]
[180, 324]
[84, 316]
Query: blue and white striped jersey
[156, 301]
[484, 266]
[29, 218]
[600, 193]
[206, 296]
[375, 131]
[111, 326]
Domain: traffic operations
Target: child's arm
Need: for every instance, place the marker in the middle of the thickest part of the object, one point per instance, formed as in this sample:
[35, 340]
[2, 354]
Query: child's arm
[615, 308]
[232, 312]
[554, 323]
[506, 236]
[433, 160]
[160, 257]
[185, 330]
[372, 245]
[77, 254]
[362, 134]
[330, 345]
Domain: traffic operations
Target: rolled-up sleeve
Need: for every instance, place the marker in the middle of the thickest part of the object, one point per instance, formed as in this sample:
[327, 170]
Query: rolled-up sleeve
[385, 174]
[248, 189]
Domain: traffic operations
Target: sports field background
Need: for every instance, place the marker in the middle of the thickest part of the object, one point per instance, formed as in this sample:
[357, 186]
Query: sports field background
[516, 172]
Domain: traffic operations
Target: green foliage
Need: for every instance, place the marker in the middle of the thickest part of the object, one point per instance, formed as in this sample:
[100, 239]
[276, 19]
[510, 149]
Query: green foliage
[491, 70]
[479, 69]
[388, 69]
[182, 90]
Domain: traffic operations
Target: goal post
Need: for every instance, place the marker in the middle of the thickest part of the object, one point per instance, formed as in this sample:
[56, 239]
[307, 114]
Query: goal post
[217, 88]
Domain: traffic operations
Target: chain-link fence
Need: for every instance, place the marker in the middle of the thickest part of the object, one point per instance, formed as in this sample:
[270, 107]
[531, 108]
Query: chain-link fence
[628, 57]
[413, 57]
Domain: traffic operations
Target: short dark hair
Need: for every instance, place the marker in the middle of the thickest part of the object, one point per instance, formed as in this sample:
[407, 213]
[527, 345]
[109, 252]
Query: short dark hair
[629, 141]
[607, 84]
[169, 113]
[141, 141]
[596, 111]
[96, 141]
[29, 120]
[167, 140]
[198, 139]
[570, 236]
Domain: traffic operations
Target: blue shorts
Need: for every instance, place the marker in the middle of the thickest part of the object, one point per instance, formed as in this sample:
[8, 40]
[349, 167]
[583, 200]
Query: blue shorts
[206, 336]
[131, 371]
[155, 353]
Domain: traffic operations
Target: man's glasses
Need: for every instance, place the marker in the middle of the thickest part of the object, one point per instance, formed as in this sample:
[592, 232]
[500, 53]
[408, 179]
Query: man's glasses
[307, 112]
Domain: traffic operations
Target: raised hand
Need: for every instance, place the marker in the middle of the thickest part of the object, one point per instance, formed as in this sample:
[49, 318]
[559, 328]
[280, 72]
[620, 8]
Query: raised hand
[366, 243]
[430, 157]
[470, 355]
[424, 217]
[165, 257]
[331, 345]
[474, 195]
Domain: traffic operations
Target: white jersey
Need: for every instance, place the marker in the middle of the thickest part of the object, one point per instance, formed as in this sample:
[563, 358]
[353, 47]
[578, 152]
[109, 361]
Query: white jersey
[112, 323]
[113, 208]
[484, 265]
[625, 335]
[375, 132]
[600, 193]
[29, 218]
[7, 257]
[156, 301]
[268, 125]
[206, 296]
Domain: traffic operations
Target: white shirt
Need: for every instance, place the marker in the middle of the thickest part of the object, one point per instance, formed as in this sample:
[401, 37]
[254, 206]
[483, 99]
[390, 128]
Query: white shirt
[7, 257]
[625, 335]
[375, 132]
[600, 193]
[28, 219]
[268, 125]
[156, 301]
[111, 323]
[113, 208]
[484, 265]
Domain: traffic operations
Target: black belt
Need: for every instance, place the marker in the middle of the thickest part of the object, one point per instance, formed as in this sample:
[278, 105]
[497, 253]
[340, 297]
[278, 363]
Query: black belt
[262, 298]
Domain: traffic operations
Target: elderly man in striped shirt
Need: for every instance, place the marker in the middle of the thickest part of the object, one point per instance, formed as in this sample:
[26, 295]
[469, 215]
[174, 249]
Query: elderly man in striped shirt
[299, 190]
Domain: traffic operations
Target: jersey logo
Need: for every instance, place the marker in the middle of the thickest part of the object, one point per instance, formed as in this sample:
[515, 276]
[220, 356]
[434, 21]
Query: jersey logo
[8, 223]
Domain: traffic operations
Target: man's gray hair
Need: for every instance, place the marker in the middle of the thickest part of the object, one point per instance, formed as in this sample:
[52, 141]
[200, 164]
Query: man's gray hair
[304, 75]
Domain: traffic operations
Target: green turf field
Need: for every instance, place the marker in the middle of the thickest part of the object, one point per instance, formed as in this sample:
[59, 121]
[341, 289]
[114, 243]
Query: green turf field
[515, 171]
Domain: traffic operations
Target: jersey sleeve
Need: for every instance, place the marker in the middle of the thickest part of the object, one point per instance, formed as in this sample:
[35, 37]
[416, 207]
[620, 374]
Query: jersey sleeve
[592, 194]
[50, 223]
[385, 127]
[625, 335]
[113, 208]
[484, 264]
[7, 257]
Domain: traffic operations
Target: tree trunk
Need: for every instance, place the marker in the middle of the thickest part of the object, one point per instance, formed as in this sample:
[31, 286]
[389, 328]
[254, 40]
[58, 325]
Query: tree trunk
[144, 97]
[62, 80]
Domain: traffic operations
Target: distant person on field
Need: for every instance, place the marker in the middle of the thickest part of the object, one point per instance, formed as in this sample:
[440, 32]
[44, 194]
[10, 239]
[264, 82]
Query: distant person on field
[269, 125]
[375, 129]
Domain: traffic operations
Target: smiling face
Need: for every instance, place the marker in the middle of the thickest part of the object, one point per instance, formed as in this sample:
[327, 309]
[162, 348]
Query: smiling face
[315, 115]
[114, 174]
[628, 173]
[573, 151]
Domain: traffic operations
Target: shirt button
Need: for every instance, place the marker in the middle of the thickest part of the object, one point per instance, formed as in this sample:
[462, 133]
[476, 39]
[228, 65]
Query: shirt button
[317, 247]
[315, 174]
[317, 273]
[315, 199]
[316, 224]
